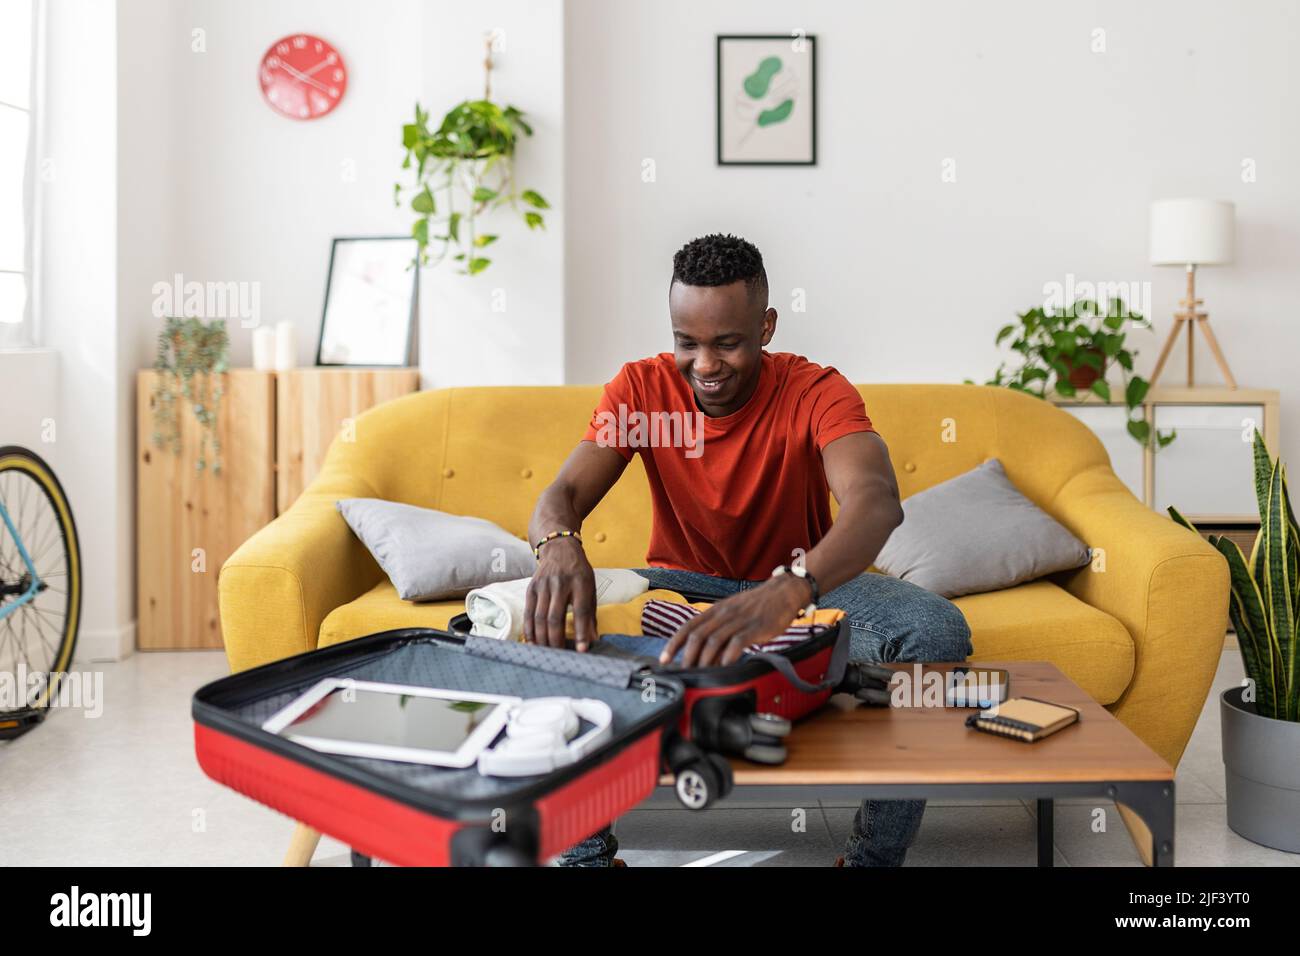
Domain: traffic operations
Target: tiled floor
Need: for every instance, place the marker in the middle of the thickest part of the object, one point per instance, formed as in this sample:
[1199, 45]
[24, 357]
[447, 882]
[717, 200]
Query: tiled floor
[123, 788]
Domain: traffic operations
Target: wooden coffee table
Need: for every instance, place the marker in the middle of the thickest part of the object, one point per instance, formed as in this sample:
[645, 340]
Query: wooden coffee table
[852, 750]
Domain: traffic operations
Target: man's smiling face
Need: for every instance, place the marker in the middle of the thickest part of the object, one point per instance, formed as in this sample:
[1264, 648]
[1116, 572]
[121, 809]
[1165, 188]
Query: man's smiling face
[718, 337]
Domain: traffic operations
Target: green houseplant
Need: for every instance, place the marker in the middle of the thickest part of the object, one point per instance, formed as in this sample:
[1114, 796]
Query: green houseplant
[191, 356]
[1261, 721]
[464, 168]
[1067, 350]
[1265, 608]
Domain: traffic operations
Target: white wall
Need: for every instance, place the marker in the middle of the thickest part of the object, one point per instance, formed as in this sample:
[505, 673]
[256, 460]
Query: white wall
[29, 394]
[1058, 151]
[79, 320]
[218, 187]
[507, 324]
[152, 159]
[239, 193]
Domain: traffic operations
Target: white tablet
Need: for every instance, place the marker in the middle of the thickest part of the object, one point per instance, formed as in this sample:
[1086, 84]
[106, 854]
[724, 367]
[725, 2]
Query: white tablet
[444, 728]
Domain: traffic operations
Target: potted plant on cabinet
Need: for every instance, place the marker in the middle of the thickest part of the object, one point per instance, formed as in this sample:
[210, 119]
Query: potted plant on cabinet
[1068, 351]
[191, 357]
[1261, 720]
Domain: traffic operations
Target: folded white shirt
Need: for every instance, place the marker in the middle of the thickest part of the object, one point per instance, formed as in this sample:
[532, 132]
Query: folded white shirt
[497, 610]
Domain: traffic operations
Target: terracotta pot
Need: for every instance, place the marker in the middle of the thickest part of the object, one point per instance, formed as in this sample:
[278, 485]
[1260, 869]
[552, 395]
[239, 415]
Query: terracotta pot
[1082, 376]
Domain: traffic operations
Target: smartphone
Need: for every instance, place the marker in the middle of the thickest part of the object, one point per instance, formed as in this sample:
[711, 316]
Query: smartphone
[977, 686]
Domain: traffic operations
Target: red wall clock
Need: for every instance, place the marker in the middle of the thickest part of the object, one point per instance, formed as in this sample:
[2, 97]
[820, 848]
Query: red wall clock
[303, 77]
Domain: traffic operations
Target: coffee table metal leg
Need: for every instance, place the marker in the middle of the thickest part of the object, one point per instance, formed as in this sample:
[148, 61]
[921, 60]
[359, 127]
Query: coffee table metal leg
[1046, 842]
[1153, 801]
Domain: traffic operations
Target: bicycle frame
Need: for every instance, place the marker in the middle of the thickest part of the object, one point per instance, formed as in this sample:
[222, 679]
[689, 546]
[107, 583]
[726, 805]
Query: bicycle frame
[26, 596]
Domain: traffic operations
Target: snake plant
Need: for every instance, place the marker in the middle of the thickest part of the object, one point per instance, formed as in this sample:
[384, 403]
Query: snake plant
[1265, 604]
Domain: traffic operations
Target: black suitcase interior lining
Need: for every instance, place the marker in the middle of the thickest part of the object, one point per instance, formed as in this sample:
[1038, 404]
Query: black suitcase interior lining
[433, 661]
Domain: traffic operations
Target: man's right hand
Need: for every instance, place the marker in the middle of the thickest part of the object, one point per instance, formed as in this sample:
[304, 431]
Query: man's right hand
[564, 576]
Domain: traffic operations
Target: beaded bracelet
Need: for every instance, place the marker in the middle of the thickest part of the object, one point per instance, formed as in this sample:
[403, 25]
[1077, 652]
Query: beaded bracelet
[537, 548]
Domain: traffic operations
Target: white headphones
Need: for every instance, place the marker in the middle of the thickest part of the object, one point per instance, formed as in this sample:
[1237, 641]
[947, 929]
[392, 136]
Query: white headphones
[540, 736]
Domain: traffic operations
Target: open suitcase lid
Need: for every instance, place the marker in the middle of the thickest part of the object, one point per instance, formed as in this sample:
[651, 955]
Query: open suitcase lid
[236, 706]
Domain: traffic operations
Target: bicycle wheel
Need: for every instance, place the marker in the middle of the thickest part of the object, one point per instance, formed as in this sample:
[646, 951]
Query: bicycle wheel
[38, 628]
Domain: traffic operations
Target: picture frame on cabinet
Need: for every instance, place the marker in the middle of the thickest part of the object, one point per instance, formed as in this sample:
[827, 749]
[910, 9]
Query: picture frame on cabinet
[371, 303]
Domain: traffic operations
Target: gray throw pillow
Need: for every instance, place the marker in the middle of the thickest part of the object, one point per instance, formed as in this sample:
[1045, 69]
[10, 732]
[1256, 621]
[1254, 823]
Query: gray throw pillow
[432, 555]
[977, 533]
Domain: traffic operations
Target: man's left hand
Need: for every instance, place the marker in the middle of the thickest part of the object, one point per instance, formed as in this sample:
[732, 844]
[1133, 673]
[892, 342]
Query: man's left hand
[721, 633]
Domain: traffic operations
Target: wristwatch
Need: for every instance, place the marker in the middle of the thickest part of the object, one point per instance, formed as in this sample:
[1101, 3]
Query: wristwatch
[799, 571]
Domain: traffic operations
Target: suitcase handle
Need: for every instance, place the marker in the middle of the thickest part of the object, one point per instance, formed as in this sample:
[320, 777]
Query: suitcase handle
[834, 673]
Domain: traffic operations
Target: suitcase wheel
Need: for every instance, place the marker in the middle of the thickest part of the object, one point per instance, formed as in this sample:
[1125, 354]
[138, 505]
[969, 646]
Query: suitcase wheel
[704, 781]
[873, 696]
[724, 772]
[479, 846]
[770, 724]
[867, 682]
[505, 854]
[773, 753]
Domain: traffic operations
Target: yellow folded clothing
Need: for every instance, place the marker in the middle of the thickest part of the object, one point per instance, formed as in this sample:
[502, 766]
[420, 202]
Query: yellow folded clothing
[825, 616]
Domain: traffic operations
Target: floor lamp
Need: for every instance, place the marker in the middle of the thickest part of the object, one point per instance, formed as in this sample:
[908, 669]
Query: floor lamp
[1191, 233]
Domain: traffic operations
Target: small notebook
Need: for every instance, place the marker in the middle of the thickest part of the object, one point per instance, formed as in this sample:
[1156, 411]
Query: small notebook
[1024, 718]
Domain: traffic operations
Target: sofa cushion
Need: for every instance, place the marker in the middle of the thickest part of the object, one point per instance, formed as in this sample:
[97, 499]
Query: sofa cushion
[977, 533]
[430, 555]
[380, 609]
[1040, 621]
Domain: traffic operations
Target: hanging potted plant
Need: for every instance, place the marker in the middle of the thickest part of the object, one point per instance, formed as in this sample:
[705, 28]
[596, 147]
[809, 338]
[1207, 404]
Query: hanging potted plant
[1070, 350]
[1261, 720]
[191, 357]
[464, 168]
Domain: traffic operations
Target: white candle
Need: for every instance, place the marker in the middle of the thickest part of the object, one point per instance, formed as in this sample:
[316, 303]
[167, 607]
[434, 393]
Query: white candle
[285, 355]
[264, 349]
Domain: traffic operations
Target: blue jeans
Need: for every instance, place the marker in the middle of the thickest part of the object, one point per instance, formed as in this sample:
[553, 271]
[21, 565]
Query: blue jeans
[889, 620]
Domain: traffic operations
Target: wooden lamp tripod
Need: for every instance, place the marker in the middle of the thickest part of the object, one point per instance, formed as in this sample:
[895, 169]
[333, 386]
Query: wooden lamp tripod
[1192, 232]
[1189, 318]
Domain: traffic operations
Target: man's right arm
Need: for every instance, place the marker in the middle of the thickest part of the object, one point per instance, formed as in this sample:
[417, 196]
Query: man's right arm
[564, 575]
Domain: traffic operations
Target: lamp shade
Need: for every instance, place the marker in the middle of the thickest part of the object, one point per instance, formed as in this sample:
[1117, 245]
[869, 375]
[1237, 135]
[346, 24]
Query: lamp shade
[1191, 232]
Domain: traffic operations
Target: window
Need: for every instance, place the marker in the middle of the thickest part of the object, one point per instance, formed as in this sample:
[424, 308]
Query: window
[18, 174]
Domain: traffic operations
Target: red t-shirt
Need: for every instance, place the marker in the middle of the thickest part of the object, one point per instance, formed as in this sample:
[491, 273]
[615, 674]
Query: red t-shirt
[733, 496]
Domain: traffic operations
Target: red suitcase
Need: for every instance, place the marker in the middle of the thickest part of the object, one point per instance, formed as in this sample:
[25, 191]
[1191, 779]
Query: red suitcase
[417, 815]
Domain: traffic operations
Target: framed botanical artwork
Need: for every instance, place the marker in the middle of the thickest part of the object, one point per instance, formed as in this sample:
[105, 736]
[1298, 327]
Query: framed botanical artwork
[767, 100]
[370, 303]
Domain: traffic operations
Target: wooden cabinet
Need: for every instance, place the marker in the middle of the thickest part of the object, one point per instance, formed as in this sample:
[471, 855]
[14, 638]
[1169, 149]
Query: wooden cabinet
[275, 429]
[188, 521]
[314, 405]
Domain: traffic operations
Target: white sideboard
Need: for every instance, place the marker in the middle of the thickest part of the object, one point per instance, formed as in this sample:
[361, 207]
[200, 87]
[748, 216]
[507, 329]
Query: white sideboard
[1207, 473]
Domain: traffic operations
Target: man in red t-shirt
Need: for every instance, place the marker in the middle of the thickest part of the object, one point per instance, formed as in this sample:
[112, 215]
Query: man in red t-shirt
[742, 448]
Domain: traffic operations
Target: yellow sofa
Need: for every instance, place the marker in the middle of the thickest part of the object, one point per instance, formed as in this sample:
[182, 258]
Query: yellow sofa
[1141, 629]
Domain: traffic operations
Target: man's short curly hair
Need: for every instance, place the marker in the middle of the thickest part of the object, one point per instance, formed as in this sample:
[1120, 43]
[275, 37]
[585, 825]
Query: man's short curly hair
[721, 260]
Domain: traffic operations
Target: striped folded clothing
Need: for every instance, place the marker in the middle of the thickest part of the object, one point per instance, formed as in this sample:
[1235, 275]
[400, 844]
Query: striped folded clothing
[662, 619]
